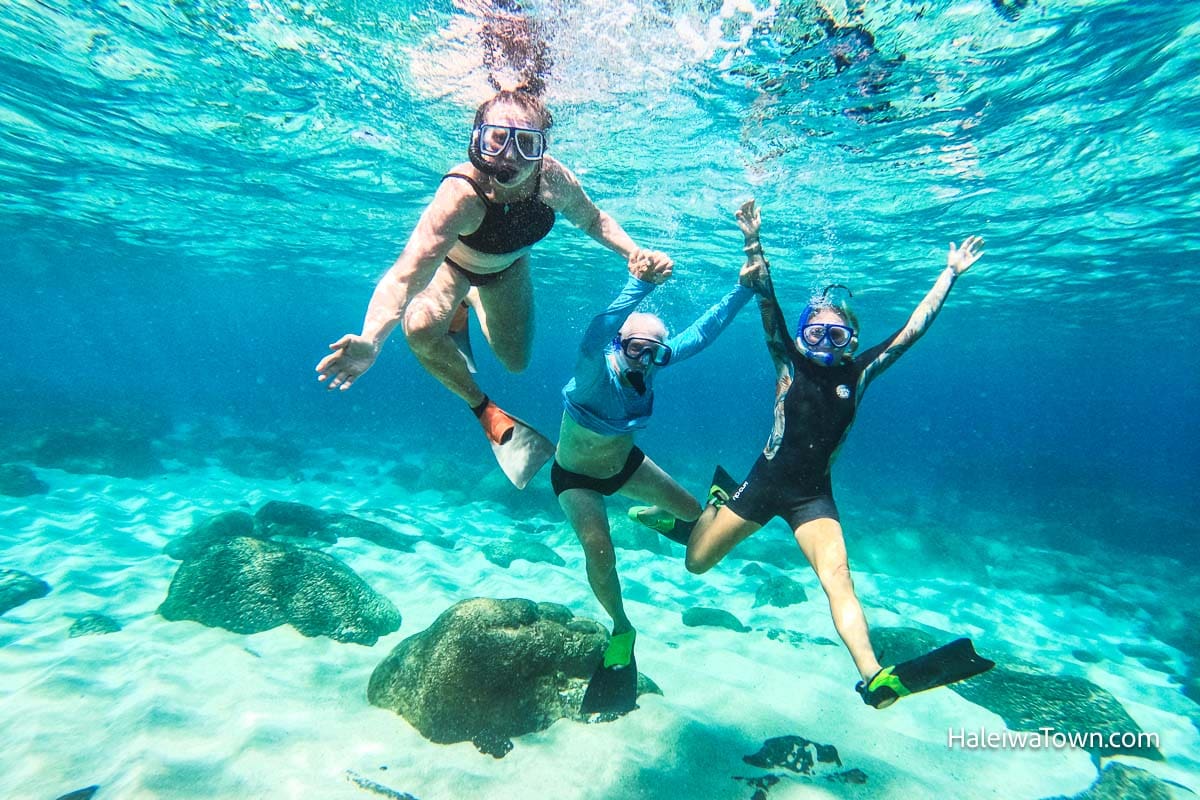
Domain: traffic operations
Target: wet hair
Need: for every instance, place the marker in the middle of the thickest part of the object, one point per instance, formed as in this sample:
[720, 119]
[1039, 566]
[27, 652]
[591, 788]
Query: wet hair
[522, 97]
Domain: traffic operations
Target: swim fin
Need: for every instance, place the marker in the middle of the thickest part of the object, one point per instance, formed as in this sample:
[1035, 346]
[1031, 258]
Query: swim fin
[523, 453]
[678, 530]
[947, 664]
[460, 334]
[721, 487]
[612, 689]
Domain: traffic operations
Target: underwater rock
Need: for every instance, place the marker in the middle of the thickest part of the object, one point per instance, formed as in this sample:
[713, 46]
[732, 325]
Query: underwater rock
[798, 638]
[103, 449]
[1121, 782]
[779, 591]
[285, 520]
[426, 531]
[713, 617]
[893, 645]
[248, 585]
[1153, 657]
[93, 625]
[768, 551]
[210, 531]
[755, 570]
[1086, 656]
[1030, 701]
[801, 756]
[794, 753]
[262, 456]
[278, 519]
[17, 480]
[18, 588]
[80, 794]
[502, 554]
[492, 669]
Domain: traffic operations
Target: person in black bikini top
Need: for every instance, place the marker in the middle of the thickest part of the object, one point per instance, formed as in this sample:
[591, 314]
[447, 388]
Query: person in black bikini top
[470, 249]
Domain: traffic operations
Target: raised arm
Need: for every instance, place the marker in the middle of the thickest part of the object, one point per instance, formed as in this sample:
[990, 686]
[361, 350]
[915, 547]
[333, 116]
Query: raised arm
[568, 197]
[884, 354]
[644, 276]
[779, 341]
[704, 331]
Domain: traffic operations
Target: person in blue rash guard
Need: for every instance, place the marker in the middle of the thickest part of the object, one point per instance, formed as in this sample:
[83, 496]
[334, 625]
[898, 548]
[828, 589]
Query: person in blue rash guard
[609, 399]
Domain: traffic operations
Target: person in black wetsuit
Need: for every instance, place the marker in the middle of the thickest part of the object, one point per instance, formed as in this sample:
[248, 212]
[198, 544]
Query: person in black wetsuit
[471, 249]
[820, 383]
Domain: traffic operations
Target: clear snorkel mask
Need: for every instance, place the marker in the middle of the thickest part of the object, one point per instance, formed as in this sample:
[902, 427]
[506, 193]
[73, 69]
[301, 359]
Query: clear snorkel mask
[493, 140]
[842, 339]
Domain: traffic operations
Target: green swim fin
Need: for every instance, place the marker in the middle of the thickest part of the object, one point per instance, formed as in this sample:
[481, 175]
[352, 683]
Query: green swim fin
[677, 530]
[612, 689]
[523, 453]
[947, 664]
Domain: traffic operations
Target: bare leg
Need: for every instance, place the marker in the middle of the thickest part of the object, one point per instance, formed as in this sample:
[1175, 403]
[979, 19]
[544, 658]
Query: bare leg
[822, 543]
[586, 512]
[427, 327]
[650, 484]
[505, 311]
[716, 533]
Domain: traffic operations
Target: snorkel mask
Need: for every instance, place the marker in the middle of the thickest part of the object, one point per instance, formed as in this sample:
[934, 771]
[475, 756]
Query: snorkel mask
[493, 140]
[843, 338]
[641, 353]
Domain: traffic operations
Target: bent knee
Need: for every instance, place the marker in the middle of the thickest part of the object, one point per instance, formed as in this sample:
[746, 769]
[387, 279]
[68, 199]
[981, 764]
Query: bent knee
[835, 576]
[696, 564]
[423, 326]
[514, 358]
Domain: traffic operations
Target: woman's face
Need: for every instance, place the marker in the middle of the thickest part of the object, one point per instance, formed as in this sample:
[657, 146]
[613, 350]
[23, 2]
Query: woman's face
[817, 337]
[510, 158]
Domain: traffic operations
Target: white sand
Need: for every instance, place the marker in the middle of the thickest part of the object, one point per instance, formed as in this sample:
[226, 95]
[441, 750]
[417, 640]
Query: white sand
[179, 710]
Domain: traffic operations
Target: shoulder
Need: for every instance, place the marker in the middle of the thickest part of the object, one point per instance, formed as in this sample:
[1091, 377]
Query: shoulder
[558, 182]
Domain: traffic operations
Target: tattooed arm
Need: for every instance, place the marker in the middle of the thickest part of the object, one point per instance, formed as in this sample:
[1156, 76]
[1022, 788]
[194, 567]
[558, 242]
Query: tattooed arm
[883, 355]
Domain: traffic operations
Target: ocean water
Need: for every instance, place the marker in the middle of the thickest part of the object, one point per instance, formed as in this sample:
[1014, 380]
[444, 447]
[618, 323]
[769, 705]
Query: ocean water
[199, 197]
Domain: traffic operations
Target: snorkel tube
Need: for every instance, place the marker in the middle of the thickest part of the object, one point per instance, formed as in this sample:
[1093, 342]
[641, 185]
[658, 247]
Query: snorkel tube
[827, 359]
[502, 174]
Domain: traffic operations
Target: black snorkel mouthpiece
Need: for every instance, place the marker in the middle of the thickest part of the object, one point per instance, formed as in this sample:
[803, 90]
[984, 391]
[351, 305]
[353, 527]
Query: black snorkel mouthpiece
[502, 174]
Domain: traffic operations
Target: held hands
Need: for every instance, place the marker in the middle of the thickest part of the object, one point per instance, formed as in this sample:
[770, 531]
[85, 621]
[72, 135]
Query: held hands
[651, 266]
[352, 356]
[960, 259]
[754, 275]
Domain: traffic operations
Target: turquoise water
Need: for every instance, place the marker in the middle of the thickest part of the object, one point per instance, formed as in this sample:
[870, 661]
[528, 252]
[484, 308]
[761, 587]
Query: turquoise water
[198, 197]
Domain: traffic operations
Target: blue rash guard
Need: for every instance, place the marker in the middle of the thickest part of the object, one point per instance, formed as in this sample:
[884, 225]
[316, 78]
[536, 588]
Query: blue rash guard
[596, 398]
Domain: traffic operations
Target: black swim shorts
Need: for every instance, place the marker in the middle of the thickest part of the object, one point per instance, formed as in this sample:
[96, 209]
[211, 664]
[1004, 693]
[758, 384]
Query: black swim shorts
[562, 479]
[770, 491]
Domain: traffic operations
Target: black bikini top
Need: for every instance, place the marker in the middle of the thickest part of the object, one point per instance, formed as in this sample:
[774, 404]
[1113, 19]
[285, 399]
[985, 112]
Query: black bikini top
[508, 227]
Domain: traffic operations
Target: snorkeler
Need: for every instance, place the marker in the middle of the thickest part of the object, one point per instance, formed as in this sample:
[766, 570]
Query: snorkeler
[470, 248]
[609, 398]
[820, 383]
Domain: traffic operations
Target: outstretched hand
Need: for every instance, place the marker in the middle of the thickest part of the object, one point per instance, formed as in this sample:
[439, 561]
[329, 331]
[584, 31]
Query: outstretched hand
[961, 258]
[749, 220]
[651, 266]
[352, 356]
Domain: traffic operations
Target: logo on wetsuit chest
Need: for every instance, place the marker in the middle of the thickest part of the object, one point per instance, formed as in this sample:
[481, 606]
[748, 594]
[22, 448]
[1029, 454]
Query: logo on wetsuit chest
[843, 391]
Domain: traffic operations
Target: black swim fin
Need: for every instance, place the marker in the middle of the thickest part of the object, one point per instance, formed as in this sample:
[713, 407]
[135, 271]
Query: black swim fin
[612, 690]
[721, 487]
[947, 664]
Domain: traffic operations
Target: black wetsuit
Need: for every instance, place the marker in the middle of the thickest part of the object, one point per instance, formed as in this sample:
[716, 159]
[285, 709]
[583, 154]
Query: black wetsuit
[814, 408]
[506, 227]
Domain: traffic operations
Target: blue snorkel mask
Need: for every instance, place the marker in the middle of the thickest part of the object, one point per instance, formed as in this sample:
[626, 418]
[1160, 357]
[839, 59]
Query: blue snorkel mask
[842, 338]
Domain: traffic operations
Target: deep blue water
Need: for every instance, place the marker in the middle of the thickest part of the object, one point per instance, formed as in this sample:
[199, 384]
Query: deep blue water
[197, 200]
